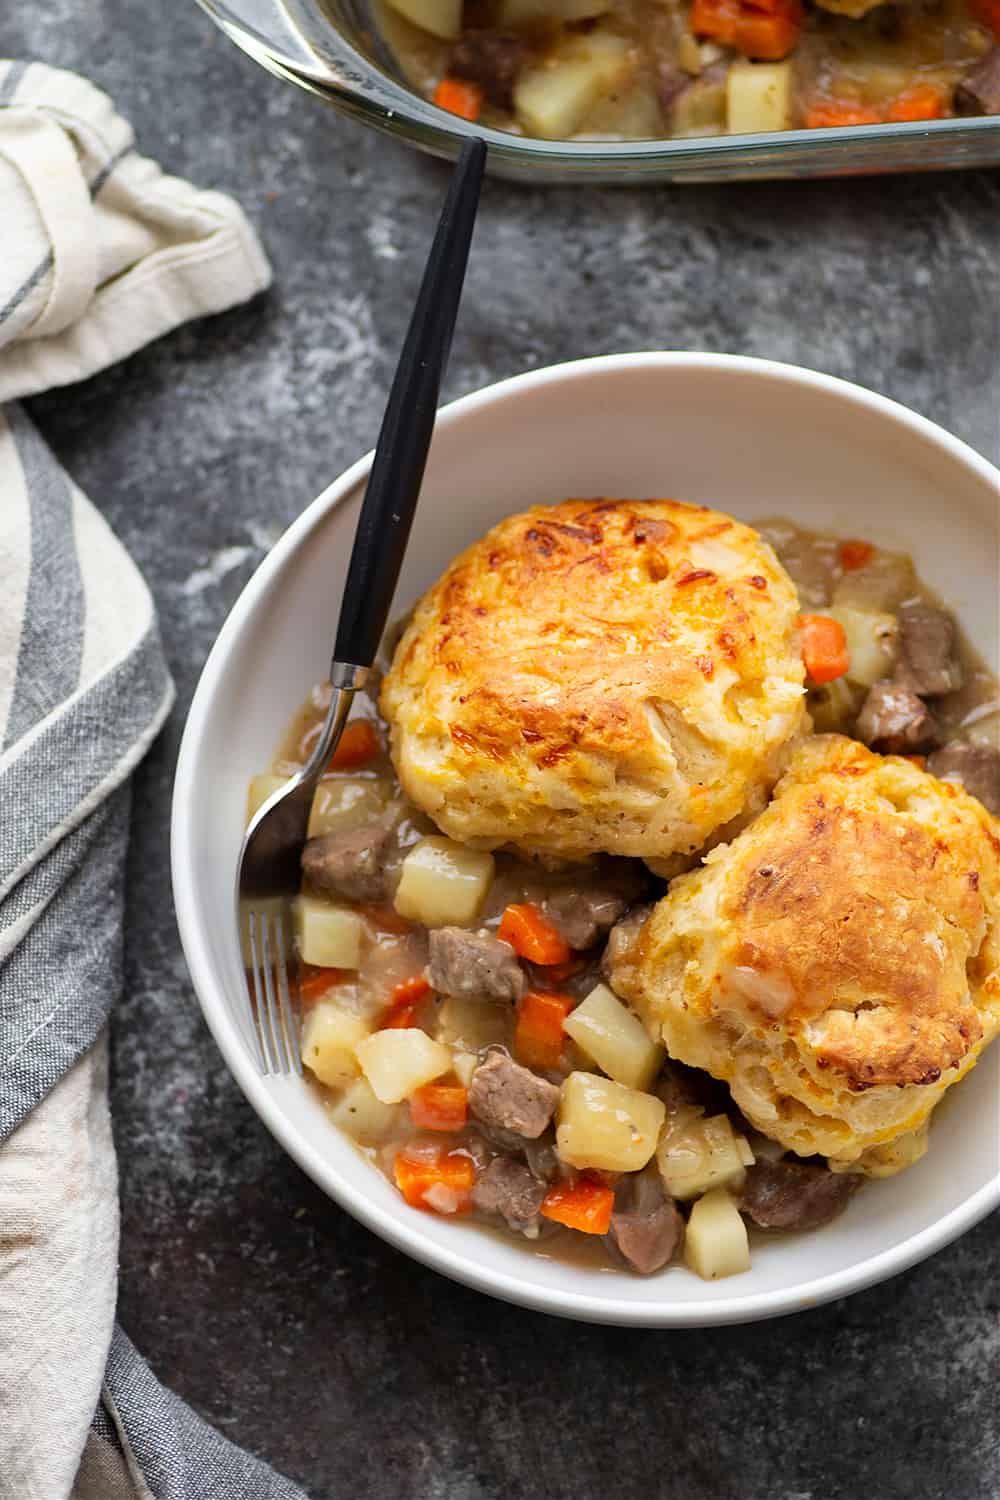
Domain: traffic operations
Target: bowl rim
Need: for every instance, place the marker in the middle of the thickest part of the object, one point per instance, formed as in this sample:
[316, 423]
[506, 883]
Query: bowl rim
[396, 1228]
[357, 85]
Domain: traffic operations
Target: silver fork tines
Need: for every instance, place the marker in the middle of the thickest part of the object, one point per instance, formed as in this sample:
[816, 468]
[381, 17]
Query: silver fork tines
[268, 884]
[275, 1031]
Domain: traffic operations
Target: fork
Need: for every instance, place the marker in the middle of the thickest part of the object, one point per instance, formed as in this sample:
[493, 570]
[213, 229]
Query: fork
[269, 874]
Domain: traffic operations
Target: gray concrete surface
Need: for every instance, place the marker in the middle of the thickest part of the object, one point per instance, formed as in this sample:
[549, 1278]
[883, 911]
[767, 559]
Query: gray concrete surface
[295, 1330]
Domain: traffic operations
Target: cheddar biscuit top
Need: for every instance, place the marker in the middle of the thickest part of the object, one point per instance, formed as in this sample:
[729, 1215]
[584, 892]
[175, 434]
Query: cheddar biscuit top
[599, 675]
[837, 962]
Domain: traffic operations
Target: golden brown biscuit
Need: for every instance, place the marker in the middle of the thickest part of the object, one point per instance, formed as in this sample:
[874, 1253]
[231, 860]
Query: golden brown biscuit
[837, 963]
[612, 675]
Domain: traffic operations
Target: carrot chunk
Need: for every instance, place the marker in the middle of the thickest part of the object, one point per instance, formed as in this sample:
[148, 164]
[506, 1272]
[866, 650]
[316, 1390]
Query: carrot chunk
[459, 97]
[440, 1106]
[532, 935]
[854, 555]
[585, 1205]
[314, 983]
[404, 1004]
[538, 1031]
[438, 1180]
[922, 102]
[987, 13]
[359, 743]
[767, 30]
[824, 648]
[837, 112]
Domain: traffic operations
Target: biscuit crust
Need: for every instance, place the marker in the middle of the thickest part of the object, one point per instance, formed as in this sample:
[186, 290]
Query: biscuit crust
[837, 963]
[599, 675]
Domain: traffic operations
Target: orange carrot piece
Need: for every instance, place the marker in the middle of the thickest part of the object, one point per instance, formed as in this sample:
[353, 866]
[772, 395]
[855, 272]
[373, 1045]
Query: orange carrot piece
[824, 648]
[532, 935]
[314, 983]
[459, 97]
[404, 1004]
[538, 1030]
[767, 31]
[840, 113]
[922, 102]
[403, 1018]
[409, 991]
[586, 1205]
[987, 13]
[769, 37]
[854, 555]
[359, 744]
[419, 1173]
[440, 1106]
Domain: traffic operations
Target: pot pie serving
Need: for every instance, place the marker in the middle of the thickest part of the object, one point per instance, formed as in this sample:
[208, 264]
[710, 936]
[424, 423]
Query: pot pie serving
[661, 907]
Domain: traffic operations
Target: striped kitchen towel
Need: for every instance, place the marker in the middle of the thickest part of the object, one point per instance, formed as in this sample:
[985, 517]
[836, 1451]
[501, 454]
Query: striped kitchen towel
[99, 252]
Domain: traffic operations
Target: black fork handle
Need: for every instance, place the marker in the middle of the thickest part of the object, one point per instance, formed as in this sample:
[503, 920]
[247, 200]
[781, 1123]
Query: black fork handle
[401, 452]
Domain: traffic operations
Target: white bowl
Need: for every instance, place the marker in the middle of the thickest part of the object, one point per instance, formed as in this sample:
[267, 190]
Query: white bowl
[746, 435]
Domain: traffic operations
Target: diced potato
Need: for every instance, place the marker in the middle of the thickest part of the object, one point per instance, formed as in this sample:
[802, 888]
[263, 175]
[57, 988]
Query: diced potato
[689, 54]
[700, 109]
[360, 1114]
[469, 1025]
[834, 706]
[552, 100]
[328, 935]
[443, 884]
[463, 1065]
[260, 788]
[745, 1150]
[882, 584]
[440, 17]
[716, 1242]
[397, 1062]
[872, 640]
[603, 1124]
[329, 1037]
[345, 803]
[758, 96]
[615, 1039]
[700, 1155]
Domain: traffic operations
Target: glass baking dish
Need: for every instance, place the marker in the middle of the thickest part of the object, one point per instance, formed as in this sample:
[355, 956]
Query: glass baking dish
[338, 55]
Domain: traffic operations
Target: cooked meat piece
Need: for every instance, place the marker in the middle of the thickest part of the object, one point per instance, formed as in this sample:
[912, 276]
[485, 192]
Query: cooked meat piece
[623, 935]
[581, 917]
[591, 901]
[976, 766]
[795, 1194]
[510, 1189]
[896, 721]
[350, 863]
[646, 1226]
[668, 81]
[490, 59]
[474, 966]
[542, 1157]
[679, 1086]
[978, 91]
[504, 1094]
[927, 661]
